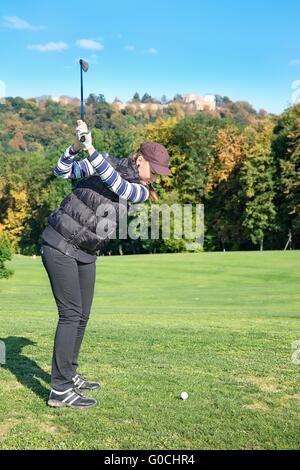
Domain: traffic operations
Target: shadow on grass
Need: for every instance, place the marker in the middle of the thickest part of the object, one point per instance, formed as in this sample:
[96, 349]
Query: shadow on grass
[27, 371]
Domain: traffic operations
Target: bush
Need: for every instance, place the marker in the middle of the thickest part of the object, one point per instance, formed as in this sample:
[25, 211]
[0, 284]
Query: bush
[5, 255]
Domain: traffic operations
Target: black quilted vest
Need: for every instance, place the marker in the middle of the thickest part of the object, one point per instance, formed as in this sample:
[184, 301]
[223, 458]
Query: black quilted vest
[74, 226]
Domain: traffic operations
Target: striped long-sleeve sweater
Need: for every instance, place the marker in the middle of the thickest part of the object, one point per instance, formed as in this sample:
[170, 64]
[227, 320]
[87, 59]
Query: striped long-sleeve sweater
[68, 167]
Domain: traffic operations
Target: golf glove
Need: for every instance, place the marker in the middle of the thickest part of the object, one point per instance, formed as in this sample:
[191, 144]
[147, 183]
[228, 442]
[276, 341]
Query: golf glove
[86, 144]
[84, 136]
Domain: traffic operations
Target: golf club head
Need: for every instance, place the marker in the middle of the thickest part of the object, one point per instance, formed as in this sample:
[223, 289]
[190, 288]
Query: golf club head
[84, 65]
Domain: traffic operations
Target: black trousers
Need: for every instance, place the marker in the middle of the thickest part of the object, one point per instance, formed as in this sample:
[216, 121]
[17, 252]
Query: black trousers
[72, 284]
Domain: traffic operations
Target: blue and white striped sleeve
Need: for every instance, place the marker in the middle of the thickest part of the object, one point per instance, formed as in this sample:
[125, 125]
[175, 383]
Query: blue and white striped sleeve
[133, 192]
[68, 168]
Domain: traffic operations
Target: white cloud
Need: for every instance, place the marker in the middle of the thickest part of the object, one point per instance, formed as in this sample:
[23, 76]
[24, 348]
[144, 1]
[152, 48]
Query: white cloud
[152, 50]
[295, 62]
[49, 47]
[89, 44]
[129, 48]
[14, 22]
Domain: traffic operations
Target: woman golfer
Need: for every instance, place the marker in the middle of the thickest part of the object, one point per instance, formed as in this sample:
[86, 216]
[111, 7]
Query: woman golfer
[76, 231]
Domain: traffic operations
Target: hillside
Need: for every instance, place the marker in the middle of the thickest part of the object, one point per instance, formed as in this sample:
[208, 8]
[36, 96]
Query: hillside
[40, 124]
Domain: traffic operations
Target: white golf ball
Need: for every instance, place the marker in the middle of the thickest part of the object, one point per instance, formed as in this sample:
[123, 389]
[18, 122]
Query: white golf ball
[184, 396]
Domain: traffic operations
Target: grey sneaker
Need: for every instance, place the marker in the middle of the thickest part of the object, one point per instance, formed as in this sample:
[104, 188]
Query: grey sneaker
[82, 383]
[70, 398]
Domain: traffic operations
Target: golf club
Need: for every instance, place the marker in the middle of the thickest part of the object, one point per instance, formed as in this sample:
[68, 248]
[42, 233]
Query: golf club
[84, 66]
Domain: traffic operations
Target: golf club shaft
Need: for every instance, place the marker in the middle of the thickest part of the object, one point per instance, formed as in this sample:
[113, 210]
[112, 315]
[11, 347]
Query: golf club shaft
[81, 90]
[84, 66]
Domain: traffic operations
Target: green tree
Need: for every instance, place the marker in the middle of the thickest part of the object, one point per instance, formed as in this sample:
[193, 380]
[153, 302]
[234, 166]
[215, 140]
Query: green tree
[194, 138]
[91, 99]
[257, 178]
[136, 97]
[101, 98]
[223, 207]
[102, 114]
[178, 98]
[147, 98]
[5, 255]
[286, 148]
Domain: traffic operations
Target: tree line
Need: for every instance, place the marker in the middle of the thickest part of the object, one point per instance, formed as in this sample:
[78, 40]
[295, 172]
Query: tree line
[242, 165]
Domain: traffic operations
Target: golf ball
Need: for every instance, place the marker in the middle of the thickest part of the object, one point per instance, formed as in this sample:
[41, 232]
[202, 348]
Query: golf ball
[184, 395]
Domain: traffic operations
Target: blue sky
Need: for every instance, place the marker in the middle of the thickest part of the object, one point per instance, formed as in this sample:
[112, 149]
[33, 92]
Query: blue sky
[247, 50]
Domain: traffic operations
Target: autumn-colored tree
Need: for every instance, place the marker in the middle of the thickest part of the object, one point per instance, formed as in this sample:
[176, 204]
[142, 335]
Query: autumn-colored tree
[16, 216]
[243, 175]
[162, 131]
[229, 149]
[18, 142]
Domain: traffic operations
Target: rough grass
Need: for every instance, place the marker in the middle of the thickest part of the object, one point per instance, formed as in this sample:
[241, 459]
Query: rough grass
[217, 325]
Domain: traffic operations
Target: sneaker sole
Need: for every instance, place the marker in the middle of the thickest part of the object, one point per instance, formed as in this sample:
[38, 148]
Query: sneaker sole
[60, 404]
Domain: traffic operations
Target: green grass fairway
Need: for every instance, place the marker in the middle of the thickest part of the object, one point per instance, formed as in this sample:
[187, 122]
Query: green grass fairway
[217, 325]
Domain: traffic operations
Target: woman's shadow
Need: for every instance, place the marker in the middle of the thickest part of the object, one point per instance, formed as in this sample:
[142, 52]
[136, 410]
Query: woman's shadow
[27, 371]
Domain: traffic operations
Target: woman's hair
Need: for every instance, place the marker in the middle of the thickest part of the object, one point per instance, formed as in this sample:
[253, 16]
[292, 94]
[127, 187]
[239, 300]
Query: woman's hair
[152, 193]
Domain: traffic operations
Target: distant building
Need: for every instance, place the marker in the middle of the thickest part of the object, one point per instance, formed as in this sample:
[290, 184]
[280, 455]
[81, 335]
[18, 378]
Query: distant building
[117, 104]
[201, 103]
[64, 100]
[190, 102]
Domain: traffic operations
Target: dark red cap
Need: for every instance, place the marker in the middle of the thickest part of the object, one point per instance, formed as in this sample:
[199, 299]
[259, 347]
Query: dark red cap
[158, 157]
